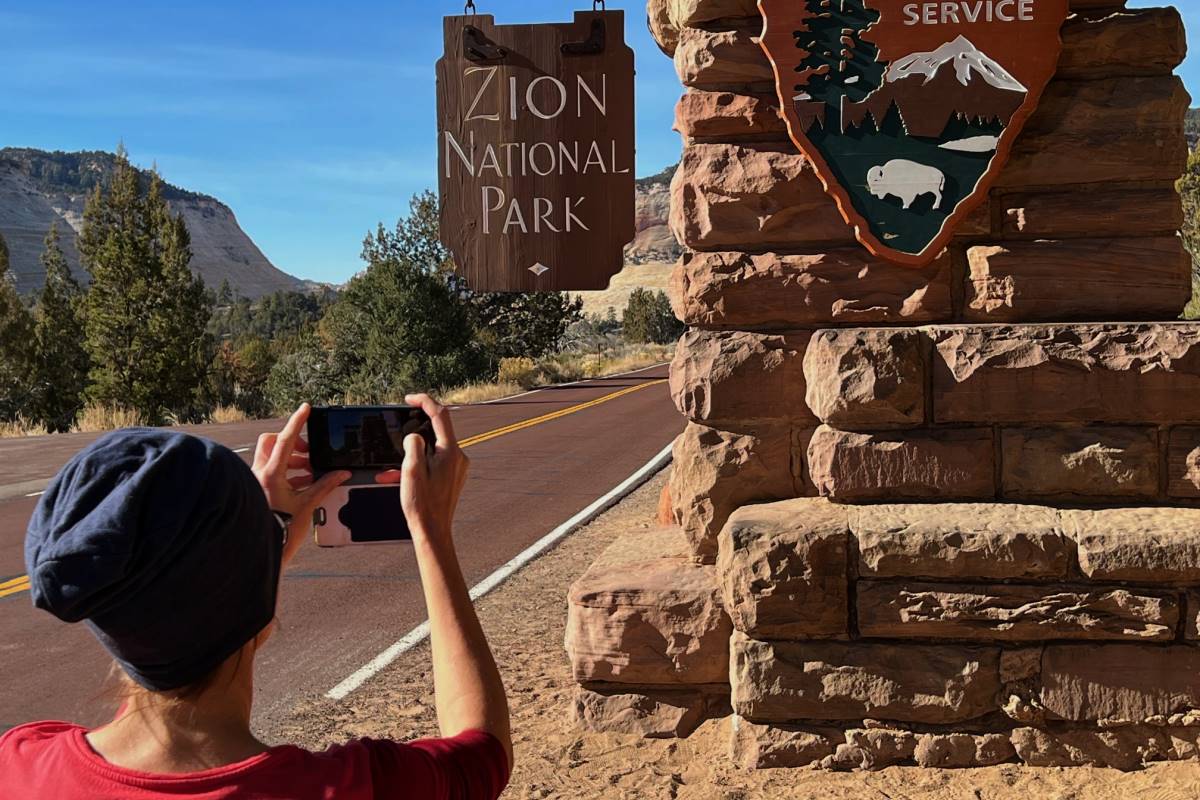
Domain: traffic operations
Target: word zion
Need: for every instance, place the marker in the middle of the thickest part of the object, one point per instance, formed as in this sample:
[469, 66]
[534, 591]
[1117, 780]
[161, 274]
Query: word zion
[510, 159]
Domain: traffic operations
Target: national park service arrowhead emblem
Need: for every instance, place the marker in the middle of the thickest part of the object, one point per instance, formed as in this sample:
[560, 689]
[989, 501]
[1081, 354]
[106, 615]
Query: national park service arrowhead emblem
[909, 110]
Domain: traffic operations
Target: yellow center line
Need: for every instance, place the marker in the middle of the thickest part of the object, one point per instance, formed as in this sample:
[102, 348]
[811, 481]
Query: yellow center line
[21, 584]
[529, 423]
[15, 588]
[12, 582]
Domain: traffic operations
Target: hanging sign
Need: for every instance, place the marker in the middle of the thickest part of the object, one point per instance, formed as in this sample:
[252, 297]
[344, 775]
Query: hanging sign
[536, 151]
[909, 110]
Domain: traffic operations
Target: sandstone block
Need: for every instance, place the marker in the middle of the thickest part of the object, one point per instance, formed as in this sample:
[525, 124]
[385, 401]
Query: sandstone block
[716, 471]
[1183, 463]
[947, 463]
[1084, 373]
[662, 27]
[1148, 545]
[690, 13]
[1119, 682]
[702, 116]
[723, 58]
[1129, 127]
[1127, 747]
[656, 621]
[1020, 664]
[960, 750]
[654, 712]
[737, 376]
[782, 681]
[1149, 41]
[1078, 464]
[1128, 279]
[731, 197]
[1092, 210]
[959, 540]
[749, 292]
[754, 746]
[782, 569]
[865, 378]
[872, 748]
[904, 610]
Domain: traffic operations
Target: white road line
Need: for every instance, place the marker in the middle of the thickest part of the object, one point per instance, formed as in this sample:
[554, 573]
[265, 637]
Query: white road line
[421, 632]
[35, 494]
[242, 450]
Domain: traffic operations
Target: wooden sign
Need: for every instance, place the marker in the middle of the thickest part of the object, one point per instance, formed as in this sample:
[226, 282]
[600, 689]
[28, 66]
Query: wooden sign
[536, 151]
[909, 110]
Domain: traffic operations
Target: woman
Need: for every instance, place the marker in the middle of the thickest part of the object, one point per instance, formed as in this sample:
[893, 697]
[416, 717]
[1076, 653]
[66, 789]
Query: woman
[170, 548]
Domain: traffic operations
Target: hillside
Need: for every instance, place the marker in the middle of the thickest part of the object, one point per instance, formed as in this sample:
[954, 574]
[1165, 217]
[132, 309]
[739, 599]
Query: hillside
[652, 254]
[39, 187]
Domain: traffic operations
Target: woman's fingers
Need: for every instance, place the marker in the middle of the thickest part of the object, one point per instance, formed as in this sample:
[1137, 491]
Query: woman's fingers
[262, 450]
[388, 476]
[300, 482]
[286, 443]
[299, 461]
[321, 489]
[443, 428]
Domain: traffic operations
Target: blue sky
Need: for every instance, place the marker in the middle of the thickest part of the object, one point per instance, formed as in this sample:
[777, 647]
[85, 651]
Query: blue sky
[312, 120]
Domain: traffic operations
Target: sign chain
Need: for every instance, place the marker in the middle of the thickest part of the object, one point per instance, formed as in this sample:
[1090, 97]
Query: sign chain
[470, 8]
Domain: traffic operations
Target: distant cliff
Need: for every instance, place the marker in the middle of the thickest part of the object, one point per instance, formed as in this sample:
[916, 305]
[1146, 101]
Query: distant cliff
[38, 187]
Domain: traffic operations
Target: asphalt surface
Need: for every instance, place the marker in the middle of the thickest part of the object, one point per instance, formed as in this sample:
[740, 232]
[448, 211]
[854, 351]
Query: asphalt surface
[340, 607]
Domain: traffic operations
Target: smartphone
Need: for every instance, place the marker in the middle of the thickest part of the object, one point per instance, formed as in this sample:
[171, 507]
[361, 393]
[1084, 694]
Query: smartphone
[365, 440]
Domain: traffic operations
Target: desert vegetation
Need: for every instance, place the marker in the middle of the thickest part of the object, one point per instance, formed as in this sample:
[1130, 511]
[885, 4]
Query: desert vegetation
[146, 342]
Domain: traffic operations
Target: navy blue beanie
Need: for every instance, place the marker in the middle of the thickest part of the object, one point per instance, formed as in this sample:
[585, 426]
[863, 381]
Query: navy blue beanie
[165, 545]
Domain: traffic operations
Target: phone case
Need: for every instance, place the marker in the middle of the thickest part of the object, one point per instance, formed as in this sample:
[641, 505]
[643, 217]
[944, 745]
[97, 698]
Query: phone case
[362, 514]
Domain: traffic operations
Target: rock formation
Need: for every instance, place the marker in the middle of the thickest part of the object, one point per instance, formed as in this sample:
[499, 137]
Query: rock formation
[38, 188]
[949, 514]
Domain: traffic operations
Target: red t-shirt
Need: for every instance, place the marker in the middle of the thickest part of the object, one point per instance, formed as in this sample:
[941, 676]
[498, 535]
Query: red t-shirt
[54, 760]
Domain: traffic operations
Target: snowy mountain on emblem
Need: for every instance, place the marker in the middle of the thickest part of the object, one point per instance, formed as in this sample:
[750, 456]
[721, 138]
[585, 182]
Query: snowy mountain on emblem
[968, 60]
[930, 89]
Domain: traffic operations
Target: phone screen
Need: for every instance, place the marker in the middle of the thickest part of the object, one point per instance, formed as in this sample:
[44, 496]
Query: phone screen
[363, 437]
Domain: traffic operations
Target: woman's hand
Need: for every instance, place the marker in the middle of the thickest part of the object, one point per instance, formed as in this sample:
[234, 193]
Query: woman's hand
[276, 455]
[430, 484]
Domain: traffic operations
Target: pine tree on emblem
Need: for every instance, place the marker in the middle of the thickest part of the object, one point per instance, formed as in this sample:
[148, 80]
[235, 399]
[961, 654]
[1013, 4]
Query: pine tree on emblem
[836, 62]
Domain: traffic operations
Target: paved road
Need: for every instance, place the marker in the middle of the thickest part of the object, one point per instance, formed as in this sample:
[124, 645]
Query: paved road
[341, 607]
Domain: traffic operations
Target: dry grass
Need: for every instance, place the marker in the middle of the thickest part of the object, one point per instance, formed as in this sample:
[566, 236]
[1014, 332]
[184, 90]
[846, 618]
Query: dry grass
[479, 393]
[22, 427]
[223, 414]
[522, 374]
[97, 418]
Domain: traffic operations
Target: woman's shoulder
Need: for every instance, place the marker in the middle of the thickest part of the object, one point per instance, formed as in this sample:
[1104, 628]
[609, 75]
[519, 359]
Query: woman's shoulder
[36, 733]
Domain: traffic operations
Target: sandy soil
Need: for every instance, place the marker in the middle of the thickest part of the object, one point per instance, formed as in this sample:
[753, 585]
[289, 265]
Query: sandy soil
[524, 620]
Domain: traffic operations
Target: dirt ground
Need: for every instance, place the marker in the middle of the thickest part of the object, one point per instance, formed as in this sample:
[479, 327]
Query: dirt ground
[524, 620]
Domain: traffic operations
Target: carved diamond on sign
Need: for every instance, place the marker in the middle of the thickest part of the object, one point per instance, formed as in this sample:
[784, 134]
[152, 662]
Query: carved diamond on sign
[539, 268]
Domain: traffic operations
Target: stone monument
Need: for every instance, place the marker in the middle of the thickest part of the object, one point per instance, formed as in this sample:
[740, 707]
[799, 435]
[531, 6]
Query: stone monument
[945, 515]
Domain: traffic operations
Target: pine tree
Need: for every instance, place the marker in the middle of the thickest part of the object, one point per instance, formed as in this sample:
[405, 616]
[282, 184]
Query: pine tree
[1188, 187]
[62, 360]
[649, 318]
[146, 313]
[16, 348]
[837, 61]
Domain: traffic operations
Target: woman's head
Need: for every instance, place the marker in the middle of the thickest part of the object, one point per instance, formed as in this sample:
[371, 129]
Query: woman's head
[164, 545]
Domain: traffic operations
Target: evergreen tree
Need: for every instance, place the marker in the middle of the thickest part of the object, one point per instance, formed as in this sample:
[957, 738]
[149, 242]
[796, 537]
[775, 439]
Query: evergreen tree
[62, 361]
[1189, 191]
[649, 318]
[17, 351]
[837, 61]
[145, 313]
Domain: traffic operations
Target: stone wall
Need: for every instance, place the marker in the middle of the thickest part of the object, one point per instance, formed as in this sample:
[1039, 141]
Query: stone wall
[945, 514]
